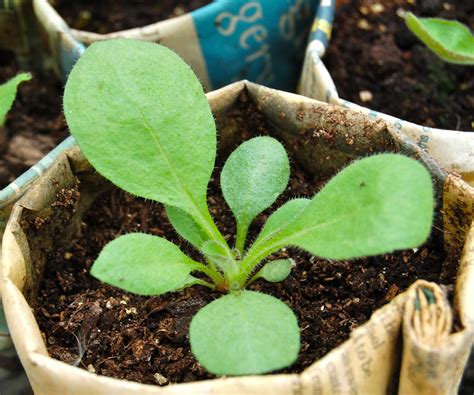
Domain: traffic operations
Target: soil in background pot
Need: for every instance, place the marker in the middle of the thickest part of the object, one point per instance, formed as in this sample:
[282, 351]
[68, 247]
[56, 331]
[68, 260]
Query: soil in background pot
[377, 62]
[34, 125]
[108, 16]
[117, 334]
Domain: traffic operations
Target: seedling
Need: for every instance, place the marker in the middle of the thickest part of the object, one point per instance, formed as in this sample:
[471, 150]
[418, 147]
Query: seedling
[8, 94]
[452, 41]
[141, 118]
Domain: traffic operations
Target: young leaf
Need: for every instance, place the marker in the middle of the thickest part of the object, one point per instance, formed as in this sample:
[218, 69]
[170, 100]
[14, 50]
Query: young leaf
[141, 118]
[254, 175]
[280, 219]
[245, 333]
[8, 93]
[186, 226]
[143, 264]
[275, 271]
[450, 40]
[376, 205]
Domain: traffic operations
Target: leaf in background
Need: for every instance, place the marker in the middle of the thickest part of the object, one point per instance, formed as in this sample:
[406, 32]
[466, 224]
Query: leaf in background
[8, 93]
[245, 333]
[143, 264]
[254, 175]
[376, 205]
[141, 118]
[186, 227]
[450, 40]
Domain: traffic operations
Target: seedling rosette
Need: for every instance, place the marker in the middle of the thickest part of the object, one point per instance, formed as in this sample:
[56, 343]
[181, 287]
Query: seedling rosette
[143, 122]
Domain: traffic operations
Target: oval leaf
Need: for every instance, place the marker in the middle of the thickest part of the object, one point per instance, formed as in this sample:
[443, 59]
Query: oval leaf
[450, 40]
[374, 206]
[141, 118]
[8, 93]
[186, 226]
[143, 264]
[245, 333]
[276, 271]
[254, 175]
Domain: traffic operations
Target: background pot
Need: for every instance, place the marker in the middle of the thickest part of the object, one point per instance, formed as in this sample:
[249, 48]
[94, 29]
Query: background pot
[269, 39]
[17, 32]
[453, 149]
[223, 42]
[295, 119]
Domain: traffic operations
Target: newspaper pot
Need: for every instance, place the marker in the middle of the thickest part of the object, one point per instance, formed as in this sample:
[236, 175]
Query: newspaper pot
[223, 42]
[453, 149]
[367, 362]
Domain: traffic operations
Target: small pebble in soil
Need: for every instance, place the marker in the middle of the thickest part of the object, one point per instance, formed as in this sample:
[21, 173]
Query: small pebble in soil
[365, 96]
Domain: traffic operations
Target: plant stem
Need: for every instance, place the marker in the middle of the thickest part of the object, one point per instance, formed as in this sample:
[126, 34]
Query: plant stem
[211, 271]
[204, 283]
[205, 220]
[242, 230]
[254, 256]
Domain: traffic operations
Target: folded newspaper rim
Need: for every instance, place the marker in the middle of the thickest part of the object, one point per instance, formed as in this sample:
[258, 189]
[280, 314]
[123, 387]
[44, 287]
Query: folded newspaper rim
[433, 353]
[224, 41]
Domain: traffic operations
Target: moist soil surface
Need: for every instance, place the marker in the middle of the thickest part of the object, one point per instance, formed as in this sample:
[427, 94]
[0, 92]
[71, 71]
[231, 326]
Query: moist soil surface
[117, 334]
[34, 125]
[377, 62]
[108, 16]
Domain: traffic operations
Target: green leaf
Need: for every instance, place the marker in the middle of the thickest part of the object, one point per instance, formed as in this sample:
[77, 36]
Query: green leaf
[276, 271]
[245, 333]
[186, 226]
[8, 93]
[254, 175]
[280, 219]
[141, 118]
[450, 40]
[143, 264]
[376, 205]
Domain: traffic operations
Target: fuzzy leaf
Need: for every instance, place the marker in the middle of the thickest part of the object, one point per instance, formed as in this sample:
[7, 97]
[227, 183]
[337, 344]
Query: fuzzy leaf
[276, 271]
[143, 264]
[280, 219]
[254, 175]
[186, 226]
[8, 93]
[245, 333]
[376, 205]
[450, 40]
[141, 118]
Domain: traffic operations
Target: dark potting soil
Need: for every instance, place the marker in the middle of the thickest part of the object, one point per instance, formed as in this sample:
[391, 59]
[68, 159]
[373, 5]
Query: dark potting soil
[34, 125]
[114, 333]
[377, 62]
[108, 16]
